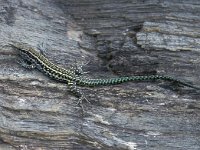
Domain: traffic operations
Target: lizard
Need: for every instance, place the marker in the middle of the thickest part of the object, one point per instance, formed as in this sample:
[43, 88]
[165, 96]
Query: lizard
[31, 58]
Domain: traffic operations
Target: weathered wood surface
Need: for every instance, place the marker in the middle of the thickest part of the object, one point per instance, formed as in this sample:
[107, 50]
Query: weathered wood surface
[118, 38]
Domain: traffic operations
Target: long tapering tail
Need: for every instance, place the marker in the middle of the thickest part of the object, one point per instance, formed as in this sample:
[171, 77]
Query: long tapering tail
[118, 80]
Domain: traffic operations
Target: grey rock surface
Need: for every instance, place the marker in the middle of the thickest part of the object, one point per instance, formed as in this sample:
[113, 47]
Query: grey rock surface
[118, 38]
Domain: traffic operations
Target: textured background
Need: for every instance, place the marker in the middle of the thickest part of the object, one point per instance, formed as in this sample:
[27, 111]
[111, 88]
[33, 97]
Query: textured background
[123, 37]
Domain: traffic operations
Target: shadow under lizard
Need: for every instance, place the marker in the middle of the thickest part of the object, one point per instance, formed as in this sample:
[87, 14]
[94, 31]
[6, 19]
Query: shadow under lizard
[31, 59]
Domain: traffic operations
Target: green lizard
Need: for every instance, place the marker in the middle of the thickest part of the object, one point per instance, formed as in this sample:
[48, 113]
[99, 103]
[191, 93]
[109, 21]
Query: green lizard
[30, 58]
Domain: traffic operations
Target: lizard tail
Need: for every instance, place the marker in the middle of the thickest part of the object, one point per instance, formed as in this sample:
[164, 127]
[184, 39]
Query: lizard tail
[118, 80]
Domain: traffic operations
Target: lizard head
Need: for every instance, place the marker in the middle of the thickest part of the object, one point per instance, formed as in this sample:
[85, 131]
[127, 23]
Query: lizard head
[25, 51]
[20, 47]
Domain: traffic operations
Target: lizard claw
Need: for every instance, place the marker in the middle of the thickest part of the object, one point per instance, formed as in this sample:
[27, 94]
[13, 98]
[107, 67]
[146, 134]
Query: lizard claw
[80, 100]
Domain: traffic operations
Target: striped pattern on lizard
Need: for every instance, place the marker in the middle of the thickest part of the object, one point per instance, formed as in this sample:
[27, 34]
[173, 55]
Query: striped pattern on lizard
[31, 58]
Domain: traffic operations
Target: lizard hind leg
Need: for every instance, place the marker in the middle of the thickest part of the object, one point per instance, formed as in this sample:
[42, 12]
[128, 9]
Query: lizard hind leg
[78, 93]
[78, 68]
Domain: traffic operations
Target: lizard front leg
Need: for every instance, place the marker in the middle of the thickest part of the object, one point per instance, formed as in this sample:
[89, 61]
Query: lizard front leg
[26, 64]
